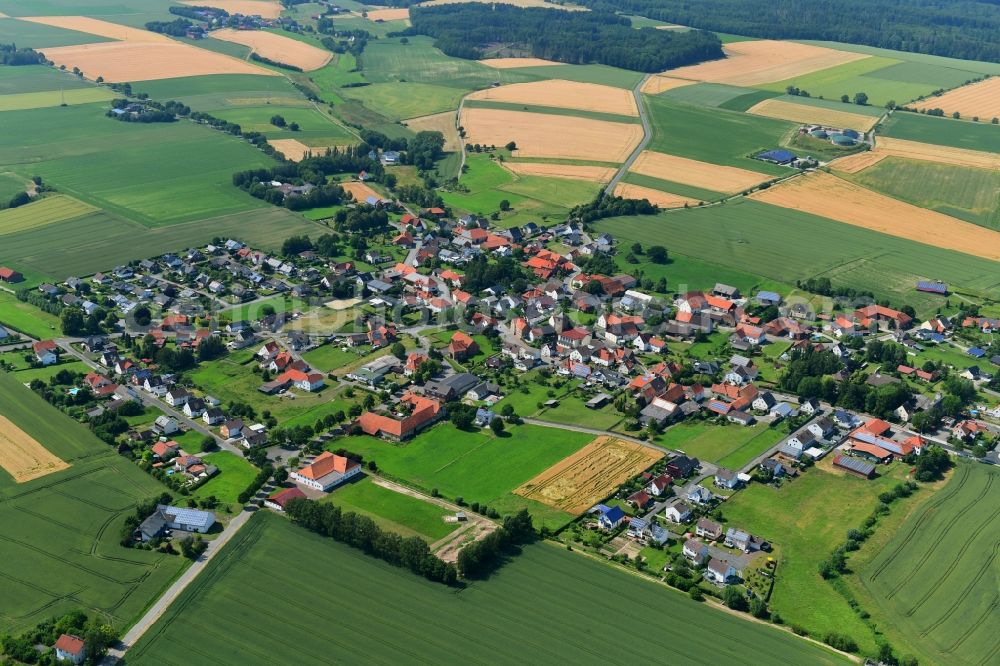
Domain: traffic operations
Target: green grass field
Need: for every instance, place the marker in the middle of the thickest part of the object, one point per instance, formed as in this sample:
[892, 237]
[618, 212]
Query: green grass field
[547, 603]
[37, 35]
[806, 519]
[873, 76]
[706, 94]
[786, 245]
[314, 125]
[715, 135]
[400, 100]
[392, 511]
[602, 74]
[27, 318]
[744, 102]
[221, 90]
[550, 110]
[907, 56]
[674, 188]
[943, 131]
[60, 538]
[932, 586]
[967, 193]
[731, 446]
[37, 78]
[11, 184]
[39, 100]
[235, 475]
[474, 465]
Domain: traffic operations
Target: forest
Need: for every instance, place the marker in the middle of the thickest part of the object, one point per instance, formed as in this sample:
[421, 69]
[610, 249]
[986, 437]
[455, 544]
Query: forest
[954, 28]
[464, 30]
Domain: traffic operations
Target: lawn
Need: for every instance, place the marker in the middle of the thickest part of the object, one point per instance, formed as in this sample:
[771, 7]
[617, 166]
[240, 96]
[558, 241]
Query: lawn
[235, 475]
[931, 584]
[943, 131]
[685, 273]
[967, 193]
[255, 310]
[392, 511]
[476, 466]
[731, 446]
[807, 519]
[382, 611]
[715, 135]
[47, 372]
[61, 532]
[27, 318]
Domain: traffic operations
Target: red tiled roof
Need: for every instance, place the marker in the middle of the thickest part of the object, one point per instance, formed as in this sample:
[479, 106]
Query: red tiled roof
[69, 643]
[324, 464]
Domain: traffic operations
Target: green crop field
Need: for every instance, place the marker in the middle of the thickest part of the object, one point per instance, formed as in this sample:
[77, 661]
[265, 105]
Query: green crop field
[787, 245]
[38, 35]
[972, 66]
[674, 188]
[547, 603]
[551, 110]
[706, 94]
[135, 13]
[220, 90]
[602, 74]
[10, 184]
[400, 100]
[235, 475]
[963, 192]
[37, 78]
[60, 539]
[100, 241]
[744, 102]
[27, 318]
[806, 519]
[715, 135]
[943, 131]
[393, 511]
[731, 446]
[933, 585]
[868, 75]
[476, 465]
[313, 123]
[43, 212]
[38, 100]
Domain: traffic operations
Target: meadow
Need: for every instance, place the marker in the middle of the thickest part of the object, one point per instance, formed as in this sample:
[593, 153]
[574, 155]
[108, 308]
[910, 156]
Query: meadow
[26, 318]
[731, 446]
[706, 94]
[967, 193]
[477, 466]
[37, 78]
[806, 519]
[37, 35]
[932, 584]
[38, 100]
[943, 131]
[602, 74]
[60, 541]
[235, 475]
[406, 99]
[392, 511]
[42, 212]
[221, 90]
[382, 612]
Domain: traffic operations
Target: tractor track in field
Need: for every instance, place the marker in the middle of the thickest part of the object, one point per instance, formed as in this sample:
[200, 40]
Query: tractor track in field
[987, 566]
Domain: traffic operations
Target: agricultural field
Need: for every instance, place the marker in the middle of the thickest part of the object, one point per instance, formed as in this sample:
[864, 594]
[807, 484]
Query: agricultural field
[806, 519]
[525, 606]
[37, 35]
[564, 94]
[60, 542]
[931, 585]
[277, 47]
[660, 198]
[976, 101]
[393, 511]
[224, 90]
[265, 8]
[788, 108]
[695, 173]
[967, 193]
[731, 446]
[37, 78]
[42, 212]
[404, 99]
[943, 132]
[577, 482]
[477, 466]
[22, 457]
[672, 187]
[38, 100]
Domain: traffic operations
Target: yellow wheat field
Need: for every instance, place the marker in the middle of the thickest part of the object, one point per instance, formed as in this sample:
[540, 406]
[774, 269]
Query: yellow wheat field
[564, 94]
[101, 28]
[658, 197]
[658, 83]
[764, 61]
[915, 150]
[360, 191]
[511, 63]
[394, 14]
[23, 457]
[813, 115]
[696, 173]
[828, 196]
[576, 483]
[295, 150]
[980, 99]
[516, 3]
[443, 122]
[277, 47]
[546, 135]
[263, 8]
[596, 174]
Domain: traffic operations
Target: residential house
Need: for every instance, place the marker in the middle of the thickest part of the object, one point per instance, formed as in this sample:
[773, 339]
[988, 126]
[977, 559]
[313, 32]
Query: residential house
[175, 518]
[231, 429]
[640, 500]
[696, 552]
[326, 471]
[70, 648]
[682, 467]
[742, 540]
[165, 425]
[165, 450]
[461, 347]
[45, 351]
[721, 571]
[700, 496]
[213, 416]
[424, 412]
[727, 478]
[660, 485]
[678, 511]
[611, 517]
[279, 499]
[708, 529]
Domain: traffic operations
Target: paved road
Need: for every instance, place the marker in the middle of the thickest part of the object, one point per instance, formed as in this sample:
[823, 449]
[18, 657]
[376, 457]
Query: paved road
[647, 132]
[160, 606]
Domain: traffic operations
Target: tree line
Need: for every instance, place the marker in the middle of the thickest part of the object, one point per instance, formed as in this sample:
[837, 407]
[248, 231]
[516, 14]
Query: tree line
[482, 557]
[954, 28]
[13, 56]
[464, 30]
[608, 205]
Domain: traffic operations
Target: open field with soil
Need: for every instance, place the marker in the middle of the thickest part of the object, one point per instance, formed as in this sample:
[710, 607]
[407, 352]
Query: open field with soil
[265, 8]
[763, 61]
[564, 94]
[809, 114]
[577, 482]
[392, 511]
[22, 457]
[60, 542]
[543, 135]
[295, 150]
[832, 197]
[695, 173]
[597, 174]
[977, 100]
[444, 122]
[658, 197]
[360, 191]
[513, 63]
[277, 47]
[518, 609]
[934, 583]
[658, 83]
[43, 212]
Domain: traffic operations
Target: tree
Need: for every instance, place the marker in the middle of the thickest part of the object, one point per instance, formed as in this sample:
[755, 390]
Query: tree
[861, 99]
[72, 321]
[511, 146]
[845, 99]
[496, 425]
[142, 315]
[278, 121]
[210, 348]
[504, 205]
[637, 248]
[734, 598]
[657, 254]
[399, 350]
[758, 608]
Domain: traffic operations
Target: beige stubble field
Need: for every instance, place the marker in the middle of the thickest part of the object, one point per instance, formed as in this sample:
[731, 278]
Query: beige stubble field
[564, 94]
[277, 47]
[22, 456]
[696, 173]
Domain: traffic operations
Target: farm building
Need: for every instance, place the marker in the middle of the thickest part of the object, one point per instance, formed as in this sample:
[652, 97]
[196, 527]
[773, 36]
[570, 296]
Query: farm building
[854, 466]
[174, 518]
[777, 156]
[70, 648]
[326, 471]
[281, 498]
[843, 140]
[932, 287]
[10, 275]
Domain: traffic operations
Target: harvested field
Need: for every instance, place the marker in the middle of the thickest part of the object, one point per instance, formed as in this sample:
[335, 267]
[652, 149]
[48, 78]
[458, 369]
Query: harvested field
[439, 122]
[763, 61]
[295, 150]
[265, 8]
[511, 63]
[23, 457]
[695, 173]
[342, 303]
[148, 61]
[360, 191]
[657, 84]
[576, 483]
[831, 197]
[516, 3]
[395, 14]
[546, 135]
[98, 27]
[597, 174]
[277, 47]
[657, 197]
[564, 94]
[980, 99]
[806, 114]
[915, 150]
